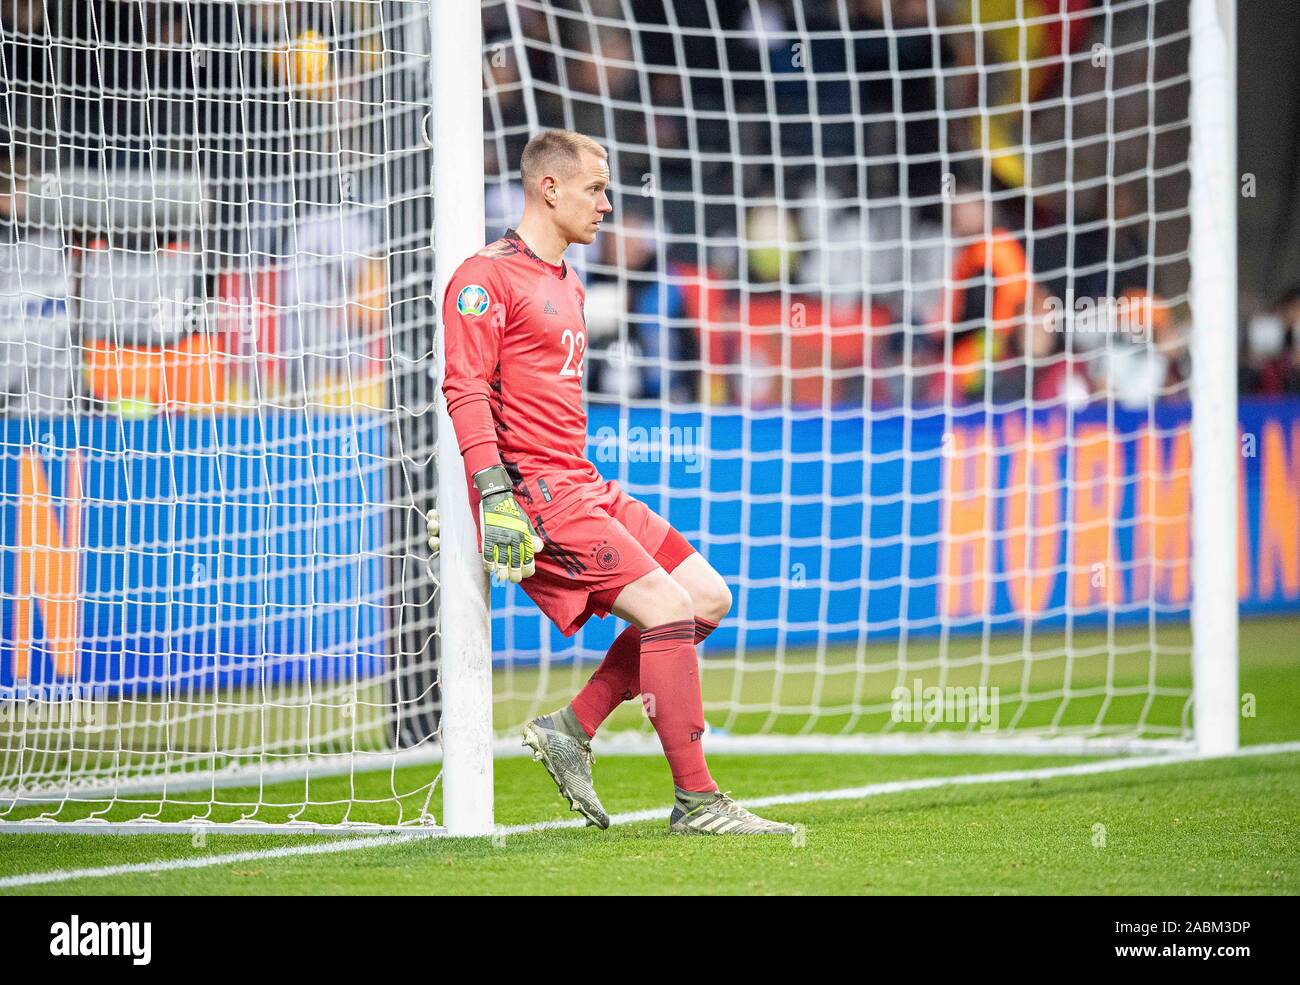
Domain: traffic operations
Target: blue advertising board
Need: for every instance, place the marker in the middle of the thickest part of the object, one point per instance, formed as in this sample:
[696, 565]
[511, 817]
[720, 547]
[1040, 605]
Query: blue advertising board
[213, 549]
[249, 549]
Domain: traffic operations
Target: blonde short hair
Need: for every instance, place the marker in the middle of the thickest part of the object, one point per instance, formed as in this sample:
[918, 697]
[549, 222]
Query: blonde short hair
[557, 152]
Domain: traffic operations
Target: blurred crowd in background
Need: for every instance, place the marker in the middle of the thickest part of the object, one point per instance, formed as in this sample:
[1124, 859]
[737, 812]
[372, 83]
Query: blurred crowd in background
[823, 202]
[194, 198]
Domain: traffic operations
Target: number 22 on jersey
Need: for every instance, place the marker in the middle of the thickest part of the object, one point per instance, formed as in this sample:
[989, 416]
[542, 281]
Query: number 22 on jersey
[576, 344]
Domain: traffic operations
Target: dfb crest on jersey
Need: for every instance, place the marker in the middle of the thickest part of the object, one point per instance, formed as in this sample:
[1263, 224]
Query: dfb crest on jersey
[472, 301]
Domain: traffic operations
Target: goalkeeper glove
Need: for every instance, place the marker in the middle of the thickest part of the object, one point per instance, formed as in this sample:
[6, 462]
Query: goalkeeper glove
[508, 541]
[435, 531]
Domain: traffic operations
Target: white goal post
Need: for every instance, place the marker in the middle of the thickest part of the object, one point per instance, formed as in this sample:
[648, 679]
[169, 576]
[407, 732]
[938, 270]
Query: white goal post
[917, 317]
[467, 737]
[1214, 399]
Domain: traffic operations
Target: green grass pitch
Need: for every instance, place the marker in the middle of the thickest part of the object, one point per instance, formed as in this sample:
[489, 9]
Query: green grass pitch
[1219, 826]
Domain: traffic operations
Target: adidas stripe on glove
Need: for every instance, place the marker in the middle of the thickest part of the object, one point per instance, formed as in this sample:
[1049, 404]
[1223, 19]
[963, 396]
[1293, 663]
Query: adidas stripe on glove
[509, 544]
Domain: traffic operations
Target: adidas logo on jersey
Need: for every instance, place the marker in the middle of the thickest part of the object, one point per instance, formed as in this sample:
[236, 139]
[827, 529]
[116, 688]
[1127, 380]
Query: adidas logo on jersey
[549, 309]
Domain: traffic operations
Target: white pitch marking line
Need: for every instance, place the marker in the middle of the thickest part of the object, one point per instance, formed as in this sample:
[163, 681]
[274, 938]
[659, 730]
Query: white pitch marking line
[360, 842]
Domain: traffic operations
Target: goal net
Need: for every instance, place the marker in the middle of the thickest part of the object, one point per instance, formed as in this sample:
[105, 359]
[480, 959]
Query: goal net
[214, 330]
[892, 321]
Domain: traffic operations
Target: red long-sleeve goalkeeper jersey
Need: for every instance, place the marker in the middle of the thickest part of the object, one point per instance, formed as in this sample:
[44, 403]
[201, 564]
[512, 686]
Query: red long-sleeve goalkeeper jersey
[515, 343]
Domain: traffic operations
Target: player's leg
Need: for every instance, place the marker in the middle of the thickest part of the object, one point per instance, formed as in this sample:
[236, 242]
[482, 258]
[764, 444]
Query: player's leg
[659, 660]
[588, 559]
[561, 740]
[654, 599]
[618, 678]
[661, 607]
[709, 594]
[669, 677]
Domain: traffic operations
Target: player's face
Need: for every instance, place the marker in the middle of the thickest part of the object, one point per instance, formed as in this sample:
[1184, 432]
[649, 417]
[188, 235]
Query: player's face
[582, 202]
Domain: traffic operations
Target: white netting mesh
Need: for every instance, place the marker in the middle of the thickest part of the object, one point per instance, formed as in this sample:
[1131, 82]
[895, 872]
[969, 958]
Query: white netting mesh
[215, 277]
[890, 322]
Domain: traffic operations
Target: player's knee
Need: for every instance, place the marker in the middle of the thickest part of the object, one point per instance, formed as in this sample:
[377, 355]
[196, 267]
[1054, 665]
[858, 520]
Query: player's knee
[714, 601]
[674, 604]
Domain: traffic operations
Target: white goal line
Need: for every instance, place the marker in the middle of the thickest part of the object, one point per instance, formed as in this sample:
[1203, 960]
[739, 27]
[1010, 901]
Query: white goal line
[618, 744]
[352, 844]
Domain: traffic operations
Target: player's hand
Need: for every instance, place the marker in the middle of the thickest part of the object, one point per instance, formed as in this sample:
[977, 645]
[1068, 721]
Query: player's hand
[509, 544]
[435, 531]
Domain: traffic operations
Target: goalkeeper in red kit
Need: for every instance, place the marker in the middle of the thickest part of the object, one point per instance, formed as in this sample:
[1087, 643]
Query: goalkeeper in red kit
[580, 546]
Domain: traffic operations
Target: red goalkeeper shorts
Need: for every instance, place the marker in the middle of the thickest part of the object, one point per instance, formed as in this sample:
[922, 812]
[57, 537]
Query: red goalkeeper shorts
[596, 543]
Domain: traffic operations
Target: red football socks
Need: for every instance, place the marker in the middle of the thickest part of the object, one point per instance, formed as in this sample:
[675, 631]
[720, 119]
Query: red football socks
[616, 680]
[670, 692]
[618, 677]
